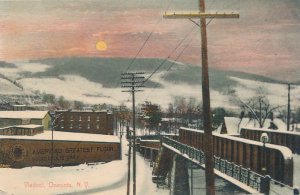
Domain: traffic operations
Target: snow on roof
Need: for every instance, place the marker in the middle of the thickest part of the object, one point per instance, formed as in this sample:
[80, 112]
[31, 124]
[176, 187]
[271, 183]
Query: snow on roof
[23, 114]
[30, 126]
[234, 124]
[66, 136]
[150, 140]
[83, 111]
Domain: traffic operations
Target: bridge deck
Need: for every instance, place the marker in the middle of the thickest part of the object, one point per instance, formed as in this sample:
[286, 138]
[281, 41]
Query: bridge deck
[217, 172]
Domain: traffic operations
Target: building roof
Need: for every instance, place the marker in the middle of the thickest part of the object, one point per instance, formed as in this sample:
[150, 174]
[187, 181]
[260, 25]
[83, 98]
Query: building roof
[81, 111]
[66, 136]
[234, 124]
[27, 114]
[30, 126]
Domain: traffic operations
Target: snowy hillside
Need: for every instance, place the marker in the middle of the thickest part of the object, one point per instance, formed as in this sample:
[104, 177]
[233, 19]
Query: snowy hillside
[88, 88]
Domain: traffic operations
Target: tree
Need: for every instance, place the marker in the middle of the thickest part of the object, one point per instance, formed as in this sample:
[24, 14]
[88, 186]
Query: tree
[48, 98]
[259, 109]
[78, 105]
[151, 114]
[64, 104]
[170, 110]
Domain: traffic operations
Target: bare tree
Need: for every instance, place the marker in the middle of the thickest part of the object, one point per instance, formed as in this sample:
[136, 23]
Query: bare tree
[259, 107]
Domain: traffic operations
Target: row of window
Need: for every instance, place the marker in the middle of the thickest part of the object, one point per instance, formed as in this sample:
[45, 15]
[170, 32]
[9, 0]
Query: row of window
[79, 118]
[79, 126]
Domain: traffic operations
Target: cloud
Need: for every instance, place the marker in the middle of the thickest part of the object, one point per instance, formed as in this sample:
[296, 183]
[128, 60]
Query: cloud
[260, 38]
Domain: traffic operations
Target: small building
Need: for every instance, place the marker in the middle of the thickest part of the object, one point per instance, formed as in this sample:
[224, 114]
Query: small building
[19, 107]
[15, 118]
[29, 130]
[233, 125]
[96, 122]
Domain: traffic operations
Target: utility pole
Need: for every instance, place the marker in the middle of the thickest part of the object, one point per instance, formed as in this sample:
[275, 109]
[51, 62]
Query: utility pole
[121, 126]
[132, 81]
[208, 139]
[129, 159]
[289, 108]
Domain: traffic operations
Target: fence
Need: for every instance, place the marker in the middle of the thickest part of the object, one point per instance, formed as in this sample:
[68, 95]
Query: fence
[244, 175]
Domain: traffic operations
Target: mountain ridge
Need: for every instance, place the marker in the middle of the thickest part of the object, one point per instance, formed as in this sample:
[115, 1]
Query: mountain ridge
[106, 70]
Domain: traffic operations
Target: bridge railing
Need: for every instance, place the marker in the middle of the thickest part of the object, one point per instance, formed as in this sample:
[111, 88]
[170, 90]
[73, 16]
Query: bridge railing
[244, 175]
[283, 138]
[268, 159]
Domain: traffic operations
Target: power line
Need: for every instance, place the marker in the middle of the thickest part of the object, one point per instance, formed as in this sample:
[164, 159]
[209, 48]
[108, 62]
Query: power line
[144, 43]
[178, 56]
[162, 63]
[159, 66]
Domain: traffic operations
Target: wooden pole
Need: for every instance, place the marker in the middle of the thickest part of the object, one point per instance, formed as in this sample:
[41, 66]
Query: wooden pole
[208, 138]
[129, 160]
[208, 141]
[289, 108]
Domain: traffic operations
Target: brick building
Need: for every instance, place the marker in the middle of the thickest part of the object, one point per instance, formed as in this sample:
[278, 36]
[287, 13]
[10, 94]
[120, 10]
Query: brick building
[97, 122]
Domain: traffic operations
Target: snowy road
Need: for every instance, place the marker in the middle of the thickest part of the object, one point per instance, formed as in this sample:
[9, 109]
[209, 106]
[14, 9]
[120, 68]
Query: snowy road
[108, 178]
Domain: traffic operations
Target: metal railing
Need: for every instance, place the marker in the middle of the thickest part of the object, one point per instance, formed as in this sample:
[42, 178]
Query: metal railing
[244, 175]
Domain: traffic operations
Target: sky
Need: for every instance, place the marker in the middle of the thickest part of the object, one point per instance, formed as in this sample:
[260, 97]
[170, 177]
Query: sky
[264, 40]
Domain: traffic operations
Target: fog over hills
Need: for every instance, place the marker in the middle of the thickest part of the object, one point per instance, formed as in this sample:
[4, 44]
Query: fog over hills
[97, 80]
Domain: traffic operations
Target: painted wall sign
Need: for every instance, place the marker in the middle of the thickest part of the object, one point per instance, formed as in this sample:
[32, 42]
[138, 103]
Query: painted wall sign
[22, 153]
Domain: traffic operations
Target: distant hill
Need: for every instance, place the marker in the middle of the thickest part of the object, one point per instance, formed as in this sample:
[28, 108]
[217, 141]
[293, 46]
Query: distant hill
[106, 70]
[93, 81]
[100, 70]
[7, 65]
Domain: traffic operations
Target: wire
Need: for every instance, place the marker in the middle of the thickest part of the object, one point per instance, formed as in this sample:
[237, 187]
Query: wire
[178, 56]
[176, 49]
[162, 63]
[145, 42]
[141, 48]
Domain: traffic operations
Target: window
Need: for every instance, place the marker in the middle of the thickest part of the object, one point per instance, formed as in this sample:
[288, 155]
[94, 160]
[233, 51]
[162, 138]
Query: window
[79, 117]
[98, 118]
[88, 126]
[71, 126]
[97, 126]
[89, 118]
[71, 118]
[79, 125]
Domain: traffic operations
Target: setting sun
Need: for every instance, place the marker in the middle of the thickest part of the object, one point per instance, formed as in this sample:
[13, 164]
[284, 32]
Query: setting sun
[101, 46]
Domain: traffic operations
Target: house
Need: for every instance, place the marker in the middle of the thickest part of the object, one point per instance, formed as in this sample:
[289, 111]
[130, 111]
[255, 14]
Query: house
[233, 125]
[29, 130]
[27, 117]
[97, 122]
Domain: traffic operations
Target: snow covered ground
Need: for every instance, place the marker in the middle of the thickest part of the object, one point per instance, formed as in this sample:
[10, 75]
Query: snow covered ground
[104, 179]
[74, 87]
[296, 170]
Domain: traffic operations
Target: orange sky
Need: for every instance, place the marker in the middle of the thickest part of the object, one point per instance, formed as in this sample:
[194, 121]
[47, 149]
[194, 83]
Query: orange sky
[262, 41]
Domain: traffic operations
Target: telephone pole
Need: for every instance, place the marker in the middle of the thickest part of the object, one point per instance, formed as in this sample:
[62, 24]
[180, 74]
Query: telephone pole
[132, 81]
[289, 107]
[208, 139]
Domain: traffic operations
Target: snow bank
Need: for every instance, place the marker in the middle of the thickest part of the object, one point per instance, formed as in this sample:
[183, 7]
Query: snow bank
[104, 179]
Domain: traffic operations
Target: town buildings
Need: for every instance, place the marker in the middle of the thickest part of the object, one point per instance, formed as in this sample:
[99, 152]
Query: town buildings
[97, 122]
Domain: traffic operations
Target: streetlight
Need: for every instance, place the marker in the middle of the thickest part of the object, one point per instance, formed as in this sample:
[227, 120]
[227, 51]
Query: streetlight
[264, 138]
[52, 129]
